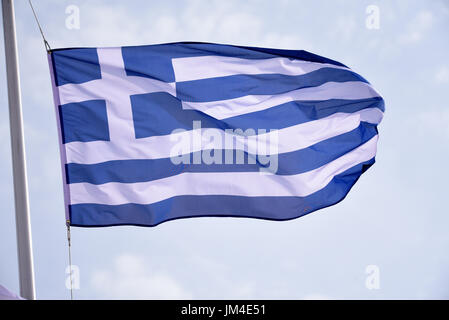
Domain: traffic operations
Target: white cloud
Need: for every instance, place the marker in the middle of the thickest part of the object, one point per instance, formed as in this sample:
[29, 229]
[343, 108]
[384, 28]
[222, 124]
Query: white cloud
[220, 276]
[432, 122]
[166, 26]
[286, 41]
[215, 21]
[344, 28]
[442, 75]
[131, 277]
[417, 28]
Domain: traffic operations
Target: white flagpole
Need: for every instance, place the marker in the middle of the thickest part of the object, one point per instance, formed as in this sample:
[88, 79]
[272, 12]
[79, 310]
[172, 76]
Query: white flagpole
[23, 228]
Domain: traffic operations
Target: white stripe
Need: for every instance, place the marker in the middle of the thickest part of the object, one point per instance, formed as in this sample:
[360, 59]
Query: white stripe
[251, 184]
[195, 68]
[351, 90]
[102, 88]
[118, 105]
[289, 139]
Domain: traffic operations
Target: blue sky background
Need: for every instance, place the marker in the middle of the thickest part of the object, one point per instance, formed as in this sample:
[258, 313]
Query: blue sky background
[395, 217]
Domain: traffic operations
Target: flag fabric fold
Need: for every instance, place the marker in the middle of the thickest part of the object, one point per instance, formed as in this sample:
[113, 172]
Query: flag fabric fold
[160, 132]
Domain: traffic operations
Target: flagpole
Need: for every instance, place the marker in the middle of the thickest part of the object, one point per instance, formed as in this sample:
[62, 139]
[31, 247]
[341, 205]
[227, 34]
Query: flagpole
[23, 227]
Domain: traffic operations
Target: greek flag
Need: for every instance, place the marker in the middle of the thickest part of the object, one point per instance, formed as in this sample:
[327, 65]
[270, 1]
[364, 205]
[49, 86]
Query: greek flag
[160, 132]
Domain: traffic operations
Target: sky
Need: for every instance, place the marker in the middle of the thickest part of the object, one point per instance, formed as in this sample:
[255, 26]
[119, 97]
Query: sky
[394, 220]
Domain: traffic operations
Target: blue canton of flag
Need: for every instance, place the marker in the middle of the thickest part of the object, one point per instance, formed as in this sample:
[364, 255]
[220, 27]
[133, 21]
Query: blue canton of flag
[160, 132]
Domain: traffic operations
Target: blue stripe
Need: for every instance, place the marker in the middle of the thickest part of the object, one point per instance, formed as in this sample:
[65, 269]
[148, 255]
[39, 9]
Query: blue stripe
[129, 171]
[271, 208]
[235, 86]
